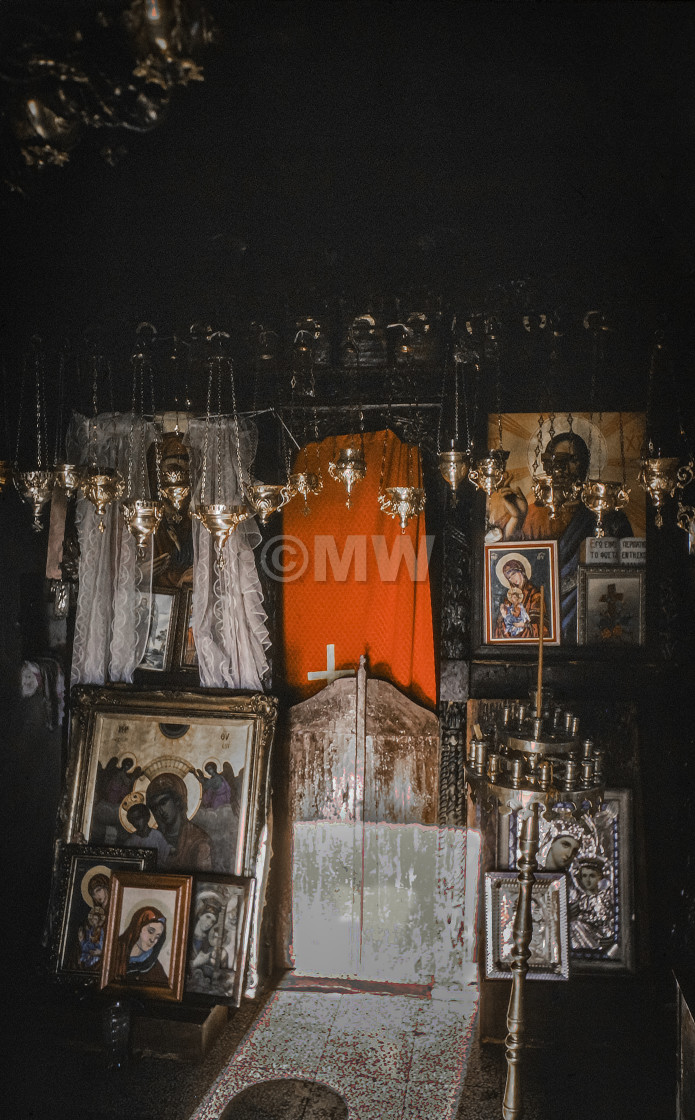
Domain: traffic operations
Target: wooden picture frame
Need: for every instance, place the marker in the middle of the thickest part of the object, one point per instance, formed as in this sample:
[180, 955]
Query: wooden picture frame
[549, 946]
[159, 650]
[218, 939]
[199, 760]
[611, 605]
[186, 655]
[514, 573]
[145, 944]
[601, 923]
[79, 906]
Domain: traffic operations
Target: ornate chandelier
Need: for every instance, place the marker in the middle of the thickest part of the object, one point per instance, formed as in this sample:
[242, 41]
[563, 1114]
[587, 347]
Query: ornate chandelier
[115, 68]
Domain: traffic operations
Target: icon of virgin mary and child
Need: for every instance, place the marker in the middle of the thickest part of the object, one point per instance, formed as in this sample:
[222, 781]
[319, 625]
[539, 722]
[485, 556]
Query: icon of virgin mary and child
[519, 611]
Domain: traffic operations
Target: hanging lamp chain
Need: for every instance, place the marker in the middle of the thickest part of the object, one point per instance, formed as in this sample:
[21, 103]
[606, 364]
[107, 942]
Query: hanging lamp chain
[538, 449]
[143, 423]
[218, 474]
[20, 411]
[155, 429]
[445, 370]
[61, 407]
[95, 410]
[131, 434]
[316, 444]
[38, 409]
[237, 433]
[206, 437]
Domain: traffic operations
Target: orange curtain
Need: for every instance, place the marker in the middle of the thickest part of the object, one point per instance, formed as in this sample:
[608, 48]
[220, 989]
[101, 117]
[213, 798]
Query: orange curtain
[351, 579]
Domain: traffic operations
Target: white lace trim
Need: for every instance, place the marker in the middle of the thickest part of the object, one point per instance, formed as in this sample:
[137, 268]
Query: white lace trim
[229, 622]
[114, 598]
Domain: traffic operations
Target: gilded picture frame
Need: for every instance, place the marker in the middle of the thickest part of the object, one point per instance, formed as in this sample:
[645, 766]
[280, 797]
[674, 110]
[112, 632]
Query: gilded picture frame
[513, 577]
[145, 943]
[549, 945]
[218, 937]
[600, 882]
[611, 606]
[198, 760]
[79, 906]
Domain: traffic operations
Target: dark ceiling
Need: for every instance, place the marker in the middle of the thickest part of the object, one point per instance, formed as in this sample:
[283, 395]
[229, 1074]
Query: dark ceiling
[368, 150]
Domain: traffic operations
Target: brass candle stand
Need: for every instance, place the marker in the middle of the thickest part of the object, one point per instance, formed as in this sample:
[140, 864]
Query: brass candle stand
[537, 762]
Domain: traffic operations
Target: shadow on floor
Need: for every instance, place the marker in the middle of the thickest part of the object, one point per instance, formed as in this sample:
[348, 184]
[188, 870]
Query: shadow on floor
[612, 1058]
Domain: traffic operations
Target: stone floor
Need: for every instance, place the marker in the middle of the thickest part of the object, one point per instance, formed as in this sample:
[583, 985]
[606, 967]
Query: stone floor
[612, 1057]
[389, 1056]
[288, 1099]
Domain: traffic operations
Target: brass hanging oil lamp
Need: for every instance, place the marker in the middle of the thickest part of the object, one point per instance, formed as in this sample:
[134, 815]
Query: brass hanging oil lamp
[66, 476]
[685, 520]
[174, 476]
[600, 495]
[402, 502]
[603, 496]
[454, 463]
[35, 485]
[489, 471]
[304, 481]
[220, 518]
[267, 498]
[660, 476]
[35, 488]
[553, 484]
[141, 513]
[685, 514]
[453, 467]
[550, 491]
[175, 485]
[349, 468]
[100, 485]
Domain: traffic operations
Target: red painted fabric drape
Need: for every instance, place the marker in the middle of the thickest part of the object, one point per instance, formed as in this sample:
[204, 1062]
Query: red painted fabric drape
[364, 587]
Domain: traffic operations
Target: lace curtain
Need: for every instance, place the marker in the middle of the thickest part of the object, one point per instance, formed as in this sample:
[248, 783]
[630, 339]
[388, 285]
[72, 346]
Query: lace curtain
[229, 622]
[114, 599]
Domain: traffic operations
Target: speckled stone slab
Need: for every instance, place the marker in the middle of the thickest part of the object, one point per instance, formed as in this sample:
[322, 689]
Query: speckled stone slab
[288, 1099]
[386, 1057]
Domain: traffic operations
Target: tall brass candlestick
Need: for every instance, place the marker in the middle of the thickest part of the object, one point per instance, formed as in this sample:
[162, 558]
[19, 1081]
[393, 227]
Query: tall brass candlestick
[539, 686]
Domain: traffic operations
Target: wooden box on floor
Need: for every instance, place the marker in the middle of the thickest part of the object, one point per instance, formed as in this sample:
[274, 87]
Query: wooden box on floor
[184, 1033]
